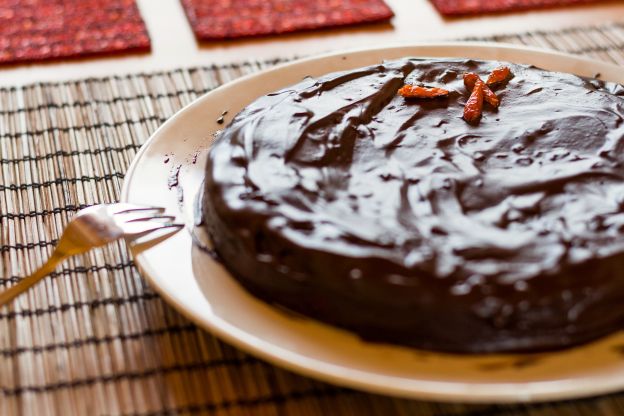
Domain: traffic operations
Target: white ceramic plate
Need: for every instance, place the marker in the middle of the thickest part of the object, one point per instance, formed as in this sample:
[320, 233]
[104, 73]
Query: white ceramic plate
[203, 290]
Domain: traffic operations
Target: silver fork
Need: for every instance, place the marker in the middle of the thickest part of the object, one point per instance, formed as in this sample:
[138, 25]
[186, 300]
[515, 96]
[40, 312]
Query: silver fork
[94, 227]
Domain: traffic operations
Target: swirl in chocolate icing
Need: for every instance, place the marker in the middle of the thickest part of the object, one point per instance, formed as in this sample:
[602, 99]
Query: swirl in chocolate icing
[396, 219]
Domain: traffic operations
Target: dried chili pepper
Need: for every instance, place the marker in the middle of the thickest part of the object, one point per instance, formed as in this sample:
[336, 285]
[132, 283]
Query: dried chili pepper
[474, 105]
[415, 91]
[470, 79]
[498, 75]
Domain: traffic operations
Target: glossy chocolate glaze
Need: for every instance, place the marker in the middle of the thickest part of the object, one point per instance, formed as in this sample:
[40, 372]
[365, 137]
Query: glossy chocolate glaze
[398, 220]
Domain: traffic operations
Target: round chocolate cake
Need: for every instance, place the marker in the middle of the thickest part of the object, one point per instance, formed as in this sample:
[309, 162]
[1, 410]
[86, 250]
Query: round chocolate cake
[397, 219]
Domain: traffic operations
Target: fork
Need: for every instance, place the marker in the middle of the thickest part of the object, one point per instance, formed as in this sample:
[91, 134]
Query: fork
[96, 226]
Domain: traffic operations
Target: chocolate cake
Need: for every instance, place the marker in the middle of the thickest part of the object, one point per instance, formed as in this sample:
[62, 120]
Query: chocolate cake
[398, 220]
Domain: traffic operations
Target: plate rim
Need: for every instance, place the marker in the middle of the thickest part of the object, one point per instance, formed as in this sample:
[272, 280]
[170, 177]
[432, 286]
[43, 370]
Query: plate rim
[436, 391]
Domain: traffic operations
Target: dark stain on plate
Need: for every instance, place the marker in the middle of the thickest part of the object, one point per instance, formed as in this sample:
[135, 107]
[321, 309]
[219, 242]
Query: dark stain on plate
[180, 195]
[528, 361]
[515, 363]
[289, 312]
[200, 237]
[194, 156]
[422, 355]
[173, 179]
[221, 118]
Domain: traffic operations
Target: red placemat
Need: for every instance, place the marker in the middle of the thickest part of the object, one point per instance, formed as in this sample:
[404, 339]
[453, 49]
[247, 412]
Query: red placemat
[34, 30]
[463, 7]
[222, 19]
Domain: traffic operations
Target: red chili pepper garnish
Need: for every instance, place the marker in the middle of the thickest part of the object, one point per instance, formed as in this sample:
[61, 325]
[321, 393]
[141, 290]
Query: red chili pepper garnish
[474, 105]
[415, 91]
[489, 96]
[500, 74]
[470, 79]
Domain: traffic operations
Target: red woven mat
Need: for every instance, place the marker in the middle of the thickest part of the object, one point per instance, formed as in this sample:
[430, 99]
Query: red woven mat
[34, 30]
[222, 19]
[463, 7]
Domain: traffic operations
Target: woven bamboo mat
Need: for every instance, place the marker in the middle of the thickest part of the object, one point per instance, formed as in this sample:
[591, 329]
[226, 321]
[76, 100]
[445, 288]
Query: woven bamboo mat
[93, 338]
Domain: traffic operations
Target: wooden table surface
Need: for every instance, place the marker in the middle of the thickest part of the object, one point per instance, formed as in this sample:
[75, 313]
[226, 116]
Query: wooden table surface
[173, 44]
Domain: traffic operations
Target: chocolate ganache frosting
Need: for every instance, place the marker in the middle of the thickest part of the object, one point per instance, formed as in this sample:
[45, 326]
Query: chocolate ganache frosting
[396, 219]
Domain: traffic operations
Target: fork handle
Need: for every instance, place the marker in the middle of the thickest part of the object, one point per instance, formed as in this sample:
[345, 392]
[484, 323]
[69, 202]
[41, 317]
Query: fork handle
[27, 282]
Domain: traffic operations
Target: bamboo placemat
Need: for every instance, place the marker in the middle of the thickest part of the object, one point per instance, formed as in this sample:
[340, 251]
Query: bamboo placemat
[93, 338]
